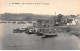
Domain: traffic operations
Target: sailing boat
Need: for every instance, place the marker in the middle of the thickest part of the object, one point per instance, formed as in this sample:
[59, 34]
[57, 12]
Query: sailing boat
[47, 34]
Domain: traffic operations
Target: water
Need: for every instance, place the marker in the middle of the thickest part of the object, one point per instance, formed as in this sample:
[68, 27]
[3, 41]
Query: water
[22, 41]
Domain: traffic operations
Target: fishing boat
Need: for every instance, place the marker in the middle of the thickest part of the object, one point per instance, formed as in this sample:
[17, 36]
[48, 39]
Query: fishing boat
[46, 26]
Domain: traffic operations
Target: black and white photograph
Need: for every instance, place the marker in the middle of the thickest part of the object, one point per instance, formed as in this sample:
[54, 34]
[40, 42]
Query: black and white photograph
[39, 25]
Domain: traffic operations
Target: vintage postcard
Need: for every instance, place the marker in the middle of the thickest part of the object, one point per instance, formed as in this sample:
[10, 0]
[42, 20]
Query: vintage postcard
[39, 25]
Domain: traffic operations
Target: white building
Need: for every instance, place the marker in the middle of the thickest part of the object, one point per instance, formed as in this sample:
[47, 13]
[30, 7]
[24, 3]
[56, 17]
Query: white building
[72, 21]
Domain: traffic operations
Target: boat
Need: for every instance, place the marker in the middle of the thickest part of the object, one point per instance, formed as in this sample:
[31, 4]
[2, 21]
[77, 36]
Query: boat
[46, 26]
[47, 35]
[19, 30]
[30, 30]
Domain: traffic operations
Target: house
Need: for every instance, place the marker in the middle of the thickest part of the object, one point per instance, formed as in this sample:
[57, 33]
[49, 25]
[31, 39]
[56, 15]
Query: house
[71, 20]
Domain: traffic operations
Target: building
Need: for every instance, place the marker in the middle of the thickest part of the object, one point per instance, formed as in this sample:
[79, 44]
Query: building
[70, 20]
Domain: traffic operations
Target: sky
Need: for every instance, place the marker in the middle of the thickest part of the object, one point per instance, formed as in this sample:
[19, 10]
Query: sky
[48, 7]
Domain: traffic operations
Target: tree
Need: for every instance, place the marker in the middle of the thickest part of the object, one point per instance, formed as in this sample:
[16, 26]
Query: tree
[73, 15]
[28, 18]
[59, 19]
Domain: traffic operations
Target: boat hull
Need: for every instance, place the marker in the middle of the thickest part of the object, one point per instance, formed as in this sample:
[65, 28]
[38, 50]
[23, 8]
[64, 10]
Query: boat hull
[49, 35]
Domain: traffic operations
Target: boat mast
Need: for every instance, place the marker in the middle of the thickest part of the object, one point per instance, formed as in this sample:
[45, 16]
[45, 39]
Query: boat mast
[54, 17]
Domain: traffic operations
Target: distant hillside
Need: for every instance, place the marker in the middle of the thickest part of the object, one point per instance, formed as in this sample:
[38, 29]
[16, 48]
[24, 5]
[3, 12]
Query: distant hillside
[23, 17]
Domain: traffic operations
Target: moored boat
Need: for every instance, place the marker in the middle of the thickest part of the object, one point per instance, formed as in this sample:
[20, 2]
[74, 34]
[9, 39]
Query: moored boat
[47, 35]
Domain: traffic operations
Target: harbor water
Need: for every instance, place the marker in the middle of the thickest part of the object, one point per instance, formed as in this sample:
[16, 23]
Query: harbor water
[23, 41]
